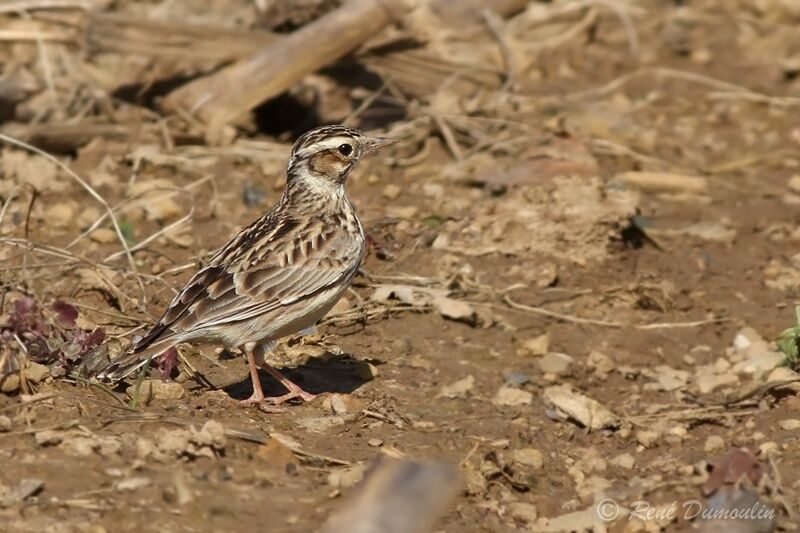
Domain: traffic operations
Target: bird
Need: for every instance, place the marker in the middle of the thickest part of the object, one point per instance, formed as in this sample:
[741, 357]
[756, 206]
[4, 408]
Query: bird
[276, 277]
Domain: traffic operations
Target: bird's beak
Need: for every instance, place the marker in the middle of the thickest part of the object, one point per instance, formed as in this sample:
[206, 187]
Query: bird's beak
[372, 144]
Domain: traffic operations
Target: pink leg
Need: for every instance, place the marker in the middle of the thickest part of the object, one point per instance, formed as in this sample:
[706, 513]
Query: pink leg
[257, 398]
[295, 391]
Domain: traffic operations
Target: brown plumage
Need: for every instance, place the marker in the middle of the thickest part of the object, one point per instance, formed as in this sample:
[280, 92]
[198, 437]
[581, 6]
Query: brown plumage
[279, 275]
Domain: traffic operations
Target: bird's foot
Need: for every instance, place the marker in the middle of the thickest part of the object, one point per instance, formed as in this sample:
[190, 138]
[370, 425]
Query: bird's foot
[291, 395]
[260, 402]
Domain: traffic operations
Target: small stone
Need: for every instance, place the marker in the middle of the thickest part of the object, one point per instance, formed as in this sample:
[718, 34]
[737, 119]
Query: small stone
[511, 396]
[529, 457]
[62, 214]
[600, 363]
[523, 512]
[336, 404]
[103, 235]
[458, 389]
[22, 491]
[555, 363]
[133, 483]
[156, 389]
[790, 424]
[707, 382]
[391, 191]
[322, 424]
[5, 424]
[49, 437]
[516, 378]
[588, 412]
[624, 460]
[375, 443]
[35, 372]
[794, 183]
[714, 443]
[347, 477]
[535, 346]
[10, 384]
[767, 448]
[647, 438]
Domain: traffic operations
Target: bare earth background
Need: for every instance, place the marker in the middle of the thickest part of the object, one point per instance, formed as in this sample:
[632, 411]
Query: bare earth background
[581, 251]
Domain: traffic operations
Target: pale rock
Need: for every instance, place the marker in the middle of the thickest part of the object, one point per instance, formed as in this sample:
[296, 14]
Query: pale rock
[670, 379]
[592, 486]
[794, 183]
[62, 214]
[322, 424]
[347, 477]
[785, 374]
[375, 443]
[768, 448]
[48, 437]
[103, 235]
[586, 411]
[647, 437]
[35, 372]
[722, 365]
[512, 396]
[624, 460]
[529, 457]
[132, 484]
[600, 363]
[555, 363]
[708, 381]
[10, 383]
[759, 364]
[391, 191]
[5, 424]
[337, 404]
[714, 443]
[156, 389]
[523, 512]
[790, 424]
[458, 389]
[402, 211]
[535, 346]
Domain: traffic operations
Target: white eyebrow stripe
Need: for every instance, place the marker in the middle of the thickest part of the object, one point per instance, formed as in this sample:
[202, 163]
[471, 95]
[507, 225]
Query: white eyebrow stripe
[327, 144]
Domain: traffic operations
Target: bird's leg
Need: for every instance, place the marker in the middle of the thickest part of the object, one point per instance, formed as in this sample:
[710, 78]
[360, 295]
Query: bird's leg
[257, 398]
[295, 391]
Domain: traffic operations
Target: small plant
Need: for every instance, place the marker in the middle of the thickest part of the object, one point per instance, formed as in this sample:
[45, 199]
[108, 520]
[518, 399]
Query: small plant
[789, 342]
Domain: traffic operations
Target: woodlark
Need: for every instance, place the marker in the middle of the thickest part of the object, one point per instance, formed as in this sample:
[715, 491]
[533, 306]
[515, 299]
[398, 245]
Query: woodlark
[279, 275]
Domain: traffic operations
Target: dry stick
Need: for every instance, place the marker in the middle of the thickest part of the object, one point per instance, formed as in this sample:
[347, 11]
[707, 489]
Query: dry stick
[94, 195]
[608, 324]
[232, 91]
[701, 79]
[32, 5]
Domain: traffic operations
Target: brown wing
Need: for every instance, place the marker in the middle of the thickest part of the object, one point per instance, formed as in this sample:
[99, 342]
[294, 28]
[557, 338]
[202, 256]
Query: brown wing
[259, 271]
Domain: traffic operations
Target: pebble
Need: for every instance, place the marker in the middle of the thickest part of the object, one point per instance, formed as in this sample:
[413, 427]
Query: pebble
[157, 389]
[714, 443]
[707, 382]
[794, 183]
[555, 363]
[458, 389]
[5, 424]
[133, 483]
[62, 214]
[36, 372]
[10, 384]
[511, 396]
[375, 443]
[789, 424]
[647, 438]
[103, 235]
[600, 363]
[624, 460]
[529, 457]
[391, 191]
[523, 512]
[535, 346]
[347, 477]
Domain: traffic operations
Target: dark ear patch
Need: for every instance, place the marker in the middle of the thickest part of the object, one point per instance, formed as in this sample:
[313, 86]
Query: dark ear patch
[329, 163]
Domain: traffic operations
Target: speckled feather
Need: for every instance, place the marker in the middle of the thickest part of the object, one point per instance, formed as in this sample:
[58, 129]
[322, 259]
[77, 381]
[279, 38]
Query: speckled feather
[277, 276]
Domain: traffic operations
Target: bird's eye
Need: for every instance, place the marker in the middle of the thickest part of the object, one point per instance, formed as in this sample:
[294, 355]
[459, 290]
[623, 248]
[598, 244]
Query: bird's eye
[345, 149]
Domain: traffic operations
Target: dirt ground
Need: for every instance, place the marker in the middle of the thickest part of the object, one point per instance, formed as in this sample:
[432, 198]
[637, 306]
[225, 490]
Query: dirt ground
[535, 309]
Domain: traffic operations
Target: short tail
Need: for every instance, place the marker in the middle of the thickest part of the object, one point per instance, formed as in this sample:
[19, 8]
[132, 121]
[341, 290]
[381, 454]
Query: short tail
[131, 361]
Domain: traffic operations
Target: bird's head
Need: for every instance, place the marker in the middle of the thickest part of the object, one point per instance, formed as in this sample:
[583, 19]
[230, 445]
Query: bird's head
[325, 156]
